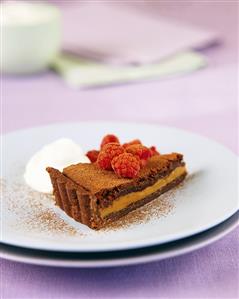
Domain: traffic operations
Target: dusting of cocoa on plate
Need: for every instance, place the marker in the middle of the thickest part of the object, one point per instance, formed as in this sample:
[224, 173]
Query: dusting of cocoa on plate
[33, 212]
[47, 221]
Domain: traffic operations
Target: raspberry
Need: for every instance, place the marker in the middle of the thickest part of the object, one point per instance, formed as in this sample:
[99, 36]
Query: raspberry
[139, 150]
[135, 141]
[109, 139]
[107, 153]
[153, 151]
[93, 155]
[126, 165]
[143, 163]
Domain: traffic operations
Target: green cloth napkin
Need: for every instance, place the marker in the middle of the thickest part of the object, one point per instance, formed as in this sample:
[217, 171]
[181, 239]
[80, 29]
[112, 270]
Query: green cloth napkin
[83, 73]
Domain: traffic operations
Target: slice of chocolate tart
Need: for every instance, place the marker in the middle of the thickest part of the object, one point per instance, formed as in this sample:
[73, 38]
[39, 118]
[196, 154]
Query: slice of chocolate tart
[96, 197]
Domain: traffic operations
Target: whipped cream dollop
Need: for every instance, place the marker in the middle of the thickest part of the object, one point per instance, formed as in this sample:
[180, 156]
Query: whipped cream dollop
[58, 154]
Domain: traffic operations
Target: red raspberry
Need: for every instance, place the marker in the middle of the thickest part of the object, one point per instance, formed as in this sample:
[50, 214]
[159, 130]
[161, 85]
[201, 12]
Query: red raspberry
[126, 165]
[108, 152]
[153, 151]
[109, 139]
[143, 163]
[139, 150]
[93, 155]
[135, 141]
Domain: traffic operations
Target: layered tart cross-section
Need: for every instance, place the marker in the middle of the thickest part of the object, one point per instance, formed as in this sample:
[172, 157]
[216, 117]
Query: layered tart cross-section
[94, 195]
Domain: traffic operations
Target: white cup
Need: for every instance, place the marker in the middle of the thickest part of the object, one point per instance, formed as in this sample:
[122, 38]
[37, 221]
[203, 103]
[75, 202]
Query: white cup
[31, 36]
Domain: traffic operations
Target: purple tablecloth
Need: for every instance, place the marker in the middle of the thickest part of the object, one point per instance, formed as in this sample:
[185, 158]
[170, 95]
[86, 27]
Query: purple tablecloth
[204, 102]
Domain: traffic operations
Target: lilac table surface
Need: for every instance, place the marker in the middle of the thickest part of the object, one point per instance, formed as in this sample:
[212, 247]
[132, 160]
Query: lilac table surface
[204, 102]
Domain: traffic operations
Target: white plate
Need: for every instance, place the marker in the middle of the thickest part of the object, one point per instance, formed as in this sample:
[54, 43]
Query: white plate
[120, 258]
[206, 199]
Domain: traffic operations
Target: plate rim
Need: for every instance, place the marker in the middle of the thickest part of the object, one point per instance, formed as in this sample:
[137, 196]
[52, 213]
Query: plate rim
[197, 241]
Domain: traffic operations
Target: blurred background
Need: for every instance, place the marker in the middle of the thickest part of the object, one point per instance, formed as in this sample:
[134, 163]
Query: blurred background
[167, 62]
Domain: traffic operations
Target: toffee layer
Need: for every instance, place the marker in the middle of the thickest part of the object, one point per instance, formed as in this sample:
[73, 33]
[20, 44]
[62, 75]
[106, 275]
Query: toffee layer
[135, 205]
[125, 200]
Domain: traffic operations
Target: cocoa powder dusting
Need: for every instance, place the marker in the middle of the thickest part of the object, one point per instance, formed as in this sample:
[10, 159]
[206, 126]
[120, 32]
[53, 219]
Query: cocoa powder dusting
[34, 212]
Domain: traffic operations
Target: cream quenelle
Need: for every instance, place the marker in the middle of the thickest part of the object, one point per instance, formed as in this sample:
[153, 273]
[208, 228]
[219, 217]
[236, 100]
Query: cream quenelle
[60, 153]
